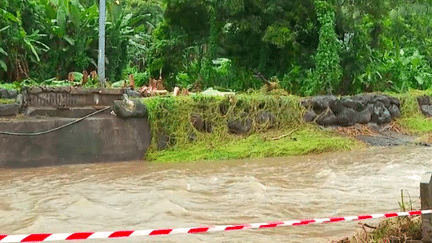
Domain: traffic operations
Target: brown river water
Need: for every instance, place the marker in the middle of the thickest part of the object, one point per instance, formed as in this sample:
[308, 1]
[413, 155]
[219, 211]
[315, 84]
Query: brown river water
[141, 195]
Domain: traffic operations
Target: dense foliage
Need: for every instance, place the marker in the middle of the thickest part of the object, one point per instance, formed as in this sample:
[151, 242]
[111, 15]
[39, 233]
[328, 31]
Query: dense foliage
[309, 46]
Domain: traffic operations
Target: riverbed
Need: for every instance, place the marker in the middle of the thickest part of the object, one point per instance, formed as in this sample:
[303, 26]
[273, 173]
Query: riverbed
[140, 195]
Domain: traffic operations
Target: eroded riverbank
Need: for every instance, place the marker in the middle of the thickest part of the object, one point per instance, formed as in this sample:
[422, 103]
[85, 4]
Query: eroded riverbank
[122, 196]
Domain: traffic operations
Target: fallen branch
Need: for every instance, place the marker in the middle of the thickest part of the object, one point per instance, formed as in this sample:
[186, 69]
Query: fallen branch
[285, 135]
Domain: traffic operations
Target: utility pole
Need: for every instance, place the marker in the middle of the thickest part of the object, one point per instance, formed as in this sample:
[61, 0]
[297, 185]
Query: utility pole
[101, 60]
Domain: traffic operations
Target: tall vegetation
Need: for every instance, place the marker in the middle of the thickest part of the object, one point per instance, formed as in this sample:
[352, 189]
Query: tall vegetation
[309, 46]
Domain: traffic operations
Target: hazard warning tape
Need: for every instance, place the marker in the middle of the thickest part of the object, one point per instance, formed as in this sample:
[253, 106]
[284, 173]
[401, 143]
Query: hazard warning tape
[194, 230]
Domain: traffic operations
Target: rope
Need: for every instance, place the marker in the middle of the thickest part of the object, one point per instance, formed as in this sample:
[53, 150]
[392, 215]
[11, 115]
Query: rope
[54, 129]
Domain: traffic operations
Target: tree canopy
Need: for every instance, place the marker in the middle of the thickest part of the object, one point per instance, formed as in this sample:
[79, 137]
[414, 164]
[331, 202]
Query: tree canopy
[309, 46]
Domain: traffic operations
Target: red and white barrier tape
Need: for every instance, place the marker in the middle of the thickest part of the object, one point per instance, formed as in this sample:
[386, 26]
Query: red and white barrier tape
[203, 229]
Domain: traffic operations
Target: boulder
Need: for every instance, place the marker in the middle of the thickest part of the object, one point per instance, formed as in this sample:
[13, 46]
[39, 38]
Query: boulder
[223, 108]
[394, 110]
[365, 115]
[347, 117]
[132, 93]
[336, 106]
[240, 126]
[380, 114]
[129, 109]
[382, 99]
[352, 103]
[385, 117]
[425, 105]
[9, 109]
[394, 101]
[162, 140]
[309, 116]
[8, 93]
[266, 118]
[20, 100]
[4, 94]
[200, 124]
[426, 110]
[363, 100]
[326, 119]
[321, 103]
[424, 100]
[378, 110]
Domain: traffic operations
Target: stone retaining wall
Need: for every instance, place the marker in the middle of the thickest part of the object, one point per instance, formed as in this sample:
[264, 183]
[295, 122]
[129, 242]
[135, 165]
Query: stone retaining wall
[347, 111]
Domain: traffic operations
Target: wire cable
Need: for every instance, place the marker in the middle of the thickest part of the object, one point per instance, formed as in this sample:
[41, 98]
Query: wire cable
[54, 129]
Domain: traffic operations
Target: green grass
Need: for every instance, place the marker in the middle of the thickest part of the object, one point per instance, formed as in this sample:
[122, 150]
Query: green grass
[6, 101]
[8, 85]
[307, 140]
[412, 119]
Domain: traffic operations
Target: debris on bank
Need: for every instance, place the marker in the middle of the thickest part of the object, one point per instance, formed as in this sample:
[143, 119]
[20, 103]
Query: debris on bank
[395, 230]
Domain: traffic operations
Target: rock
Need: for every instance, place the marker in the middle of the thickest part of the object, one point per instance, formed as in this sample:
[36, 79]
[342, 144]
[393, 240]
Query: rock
[266, 118]
[321, 103]
[346, 118]
[382, 99]
[223, 108]
[353, 104]
[426, 110]
[385, 117]
[378, 110]
[363, 100]
[9, 109]
[132, 93]
[424, 100]
[325, 100]
[4, 94]
[380, 114]
[365, 115]
[162, 140]
[12, 94]
[394, 101]
[309, 116]
[336, 106]
[201, 124]
[20, 100]
[240, 126]
[307, 103]
[394, 110]
[326, 119]
[129, 109]
[8, 93]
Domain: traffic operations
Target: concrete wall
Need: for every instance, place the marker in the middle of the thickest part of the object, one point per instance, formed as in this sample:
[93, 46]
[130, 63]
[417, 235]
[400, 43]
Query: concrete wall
[98, 139]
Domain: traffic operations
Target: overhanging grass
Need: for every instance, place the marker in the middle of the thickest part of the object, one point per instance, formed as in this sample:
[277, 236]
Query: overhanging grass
[172, 116]
[303, 141]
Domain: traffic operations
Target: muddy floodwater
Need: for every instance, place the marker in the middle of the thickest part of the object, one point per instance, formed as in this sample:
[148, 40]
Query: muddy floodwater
[140, 195]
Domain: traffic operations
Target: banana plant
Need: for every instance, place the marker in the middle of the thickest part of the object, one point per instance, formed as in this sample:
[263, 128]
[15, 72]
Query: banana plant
[19, 43]
[72, 32]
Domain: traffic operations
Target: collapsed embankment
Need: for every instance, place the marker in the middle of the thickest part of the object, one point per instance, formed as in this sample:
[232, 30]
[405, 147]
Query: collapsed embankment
[265, 125]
